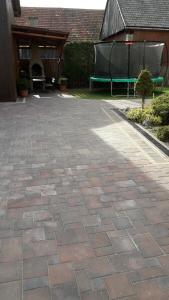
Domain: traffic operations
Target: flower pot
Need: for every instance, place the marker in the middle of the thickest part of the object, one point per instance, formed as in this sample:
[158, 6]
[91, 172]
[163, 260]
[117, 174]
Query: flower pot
[63, 87]
[23, 93]
[62, 81]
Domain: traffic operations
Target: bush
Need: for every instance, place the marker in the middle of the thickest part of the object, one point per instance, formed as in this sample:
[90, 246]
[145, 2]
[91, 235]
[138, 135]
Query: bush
[160, 107]
[135, 115]
[149, 118]
[144, 116]
[152, 120]
[163, 133]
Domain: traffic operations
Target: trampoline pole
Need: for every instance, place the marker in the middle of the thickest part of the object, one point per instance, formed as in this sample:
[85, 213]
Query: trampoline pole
[128, 71]
[111, 86]
[144, 54]
[128, 89]
[90, 85]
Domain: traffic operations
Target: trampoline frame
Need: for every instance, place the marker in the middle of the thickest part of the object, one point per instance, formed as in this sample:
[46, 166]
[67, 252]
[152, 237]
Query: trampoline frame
[159, 79]
[128, 80]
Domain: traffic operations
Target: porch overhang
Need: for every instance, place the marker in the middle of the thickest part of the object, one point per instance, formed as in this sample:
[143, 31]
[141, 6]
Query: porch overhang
[34, 35]
[16, 8]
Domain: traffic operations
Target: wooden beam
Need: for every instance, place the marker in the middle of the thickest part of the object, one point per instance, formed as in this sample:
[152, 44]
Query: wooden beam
[24, 34]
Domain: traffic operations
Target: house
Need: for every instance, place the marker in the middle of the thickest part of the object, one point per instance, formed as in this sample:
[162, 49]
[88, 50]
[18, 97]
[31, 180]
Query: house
[37, 51]
[138, 20]
[83, 25]
[33, 39]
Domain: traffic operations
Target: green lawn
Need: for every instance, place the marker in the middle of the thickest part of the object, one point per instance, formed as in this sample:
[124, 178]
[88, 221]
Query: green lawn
[160, 90]
[97, 94]
[166, 90]
[85, 93]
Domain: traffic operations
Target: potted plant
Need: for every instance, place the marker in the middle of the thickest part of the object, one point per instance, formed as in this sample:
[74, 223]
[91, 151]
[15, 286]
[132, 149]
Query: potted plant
[23, 87]
[62, 81]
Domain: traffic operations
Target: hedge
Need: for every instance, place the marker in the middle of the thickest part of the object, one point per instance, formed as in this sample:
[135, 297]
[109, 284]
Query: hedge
[78, 63]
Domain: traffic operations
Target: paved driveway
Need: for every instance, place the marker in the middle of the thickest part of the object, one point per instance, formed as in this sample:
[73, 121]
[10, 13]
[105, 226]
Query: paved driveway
[84, 205]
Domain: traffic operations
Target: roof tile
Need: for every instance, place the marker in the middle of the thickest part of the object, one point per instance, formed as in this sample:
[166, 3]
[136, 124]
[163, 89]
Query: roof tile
[83, 24]
[145, 13]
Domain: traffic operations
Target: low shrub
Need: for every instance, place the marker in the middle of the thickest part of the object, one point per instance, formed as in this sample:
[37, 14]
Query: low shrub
[163, 133]
[145, 117]
[135, 115]
[152, 120]
[160, 107]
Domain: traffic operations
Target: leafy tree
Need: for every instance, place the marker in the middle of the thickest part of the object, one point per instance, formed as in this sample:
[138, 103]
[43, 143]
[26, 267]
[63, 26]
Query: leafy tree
[144, 85]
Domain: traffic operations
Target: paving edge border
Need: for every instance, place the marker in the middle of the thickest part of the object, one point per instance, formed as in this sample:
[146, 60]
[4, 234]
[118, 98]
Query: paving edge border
[144, 132]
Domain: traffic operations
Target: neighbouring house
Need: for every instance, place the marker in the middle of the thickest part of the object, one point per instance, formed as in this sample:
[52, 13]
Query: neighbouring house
[137, 20]
[33, 39]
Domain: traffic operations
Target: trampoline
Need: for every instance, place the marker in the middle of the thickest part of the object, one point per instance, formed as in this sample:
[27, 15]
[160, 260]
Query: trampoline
[121, 62]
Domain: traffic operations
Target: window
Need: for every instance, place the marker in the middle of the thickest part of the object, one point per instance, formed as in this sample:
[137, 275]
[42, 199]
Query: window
[25, 52]
[129, 37]
[49, 53]
[33, 21]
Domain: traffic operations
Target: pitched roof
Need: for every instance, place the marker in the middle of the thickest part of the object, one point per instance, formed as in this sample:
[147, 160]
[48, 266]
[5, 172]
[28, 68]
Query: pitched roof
[83, 24]
[145, 13]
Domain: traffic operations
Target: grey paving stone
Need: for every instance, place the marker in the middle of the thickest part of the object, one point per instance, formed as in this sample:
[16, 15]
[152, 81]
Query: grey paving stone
[11, 271]
[66, 291]
[10, 288]
[34, 283]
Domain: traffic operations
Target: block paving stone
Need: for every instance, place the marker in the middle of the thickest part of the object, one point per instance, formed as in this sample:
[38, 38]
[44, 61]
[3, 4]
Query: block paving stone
[11, 271]
[37, 294]
[11, 290]
[84, 204]
[118, 286]
[75, 252]
[60, 273]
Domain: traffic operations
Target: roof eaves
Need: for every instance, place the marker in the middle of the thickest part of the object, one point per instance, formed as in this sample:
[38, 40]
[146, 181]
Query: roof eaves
[39, 30]
[16, 8]
[103, 19]
[147, 28]
[118, 32]
[121, 13]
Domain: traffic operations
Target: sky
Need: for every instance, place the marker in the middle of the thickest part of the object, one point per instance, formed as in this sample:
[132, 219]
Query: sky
[92, 4]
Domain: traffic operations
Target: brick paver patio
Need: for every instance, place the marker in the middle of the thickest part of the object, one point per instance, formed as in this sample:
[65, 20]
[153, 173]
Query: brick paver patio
[84, 205]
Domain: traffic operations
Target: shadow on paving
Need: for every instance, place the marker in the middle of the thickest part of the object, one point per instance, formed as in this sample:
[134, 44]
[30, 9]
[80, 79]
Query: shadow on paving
[84, 205]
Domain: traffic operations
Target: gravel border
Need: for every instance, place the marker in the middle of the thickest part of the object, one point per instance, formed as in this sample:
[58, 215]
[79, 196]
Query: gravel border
[144, 132]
